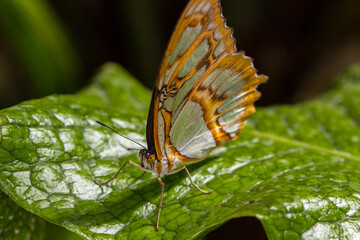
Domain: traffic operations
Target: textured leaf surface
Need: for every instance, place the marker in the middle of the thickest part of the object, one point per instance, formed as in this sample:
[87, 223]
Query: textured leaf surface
[294, 167]
[17, 223]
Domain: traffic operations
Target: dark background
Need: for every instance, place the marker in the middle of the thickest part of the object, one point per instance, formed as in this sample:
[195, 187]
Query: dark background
[301, 45]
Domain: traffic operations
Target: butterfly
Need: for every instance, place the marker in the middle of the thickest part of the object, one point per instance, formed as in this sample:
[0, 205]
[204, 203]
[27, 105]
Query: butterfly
[204, 92]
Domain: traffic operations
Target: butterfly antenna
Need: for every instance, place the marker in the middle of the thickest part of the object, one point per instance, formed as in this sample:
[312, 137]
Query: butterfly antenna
[120, 134]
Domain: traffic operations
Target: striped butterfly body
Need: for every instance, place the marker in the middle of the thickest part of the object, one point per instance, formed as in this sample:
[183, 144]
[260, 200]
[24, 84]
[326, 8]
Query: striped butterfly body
[202, 97]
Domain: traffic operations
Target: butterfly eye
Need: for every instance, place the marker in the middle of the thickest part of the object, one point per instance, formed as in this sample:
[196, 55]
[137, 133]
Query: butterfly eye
[151, 158]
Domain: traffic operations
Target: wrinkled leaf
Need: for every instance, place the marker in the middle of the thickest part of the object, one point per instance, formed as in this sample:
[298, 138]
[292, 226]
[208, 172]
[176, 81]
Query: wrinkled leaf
[294, 167]
[17, 223]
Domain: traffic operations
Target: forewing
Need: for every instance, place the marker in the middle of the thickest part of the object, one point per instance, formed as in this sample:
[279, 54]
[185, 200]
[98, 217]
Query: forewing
[199, 39]
[205, 90]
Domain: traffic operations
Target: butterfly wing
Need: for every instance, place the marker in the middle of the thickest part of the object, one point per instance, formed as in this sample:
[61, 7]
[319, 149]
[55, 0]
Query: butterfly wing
[205, 89]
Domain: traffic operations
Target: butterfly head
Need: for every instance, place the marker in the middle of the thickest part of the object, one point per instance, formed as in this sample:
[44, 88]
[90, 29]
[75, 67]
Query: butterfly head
[147, 159]
[150, 161]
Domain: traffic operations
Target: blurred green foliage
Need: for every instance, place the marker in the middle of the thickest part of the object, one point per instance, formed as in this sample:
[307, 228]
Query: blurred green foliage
[32, 32]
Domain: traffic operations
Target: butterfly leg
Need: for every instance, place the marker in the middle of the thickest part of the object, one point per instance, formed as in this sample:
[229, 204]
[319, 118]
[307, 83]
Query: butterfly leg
[192, 182]
[116, 175]
[160, 204]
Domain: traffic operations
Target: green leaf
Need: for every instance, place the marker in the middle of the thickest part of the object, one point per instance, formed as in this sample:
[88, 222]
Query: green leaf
[294, 167]
[17, 223]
